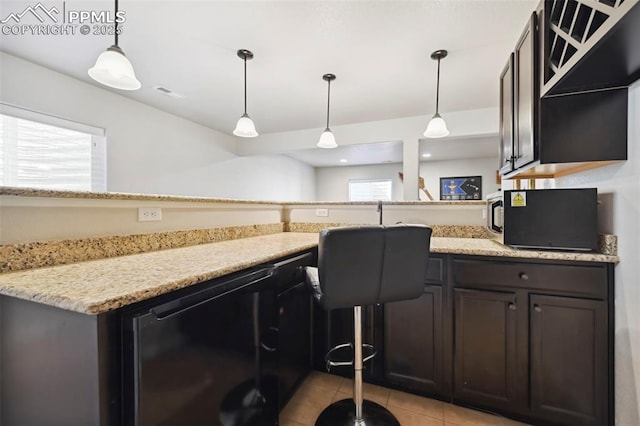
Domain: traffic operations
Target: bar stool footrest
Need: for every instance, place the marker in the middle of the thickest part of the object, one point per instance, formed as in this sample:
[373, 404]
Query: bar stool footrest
[332, 363]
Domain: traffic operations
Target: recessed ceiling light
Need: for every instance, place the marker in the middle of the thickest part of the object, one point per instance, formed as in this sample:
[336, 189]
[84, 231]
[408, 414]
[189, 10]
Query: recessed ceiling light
[343, 160]
[426, 155]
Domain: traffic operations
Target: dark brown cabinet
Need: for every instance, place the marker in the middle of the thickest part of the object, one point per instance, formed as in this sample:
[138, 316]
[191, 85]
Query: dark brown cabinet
[413, 345]
[505, 160]
[294, 324]
[294, 334]
[568, 359]
[485, 347]
[554, 135]
[519, 102]
[526, 93]
[533, 339]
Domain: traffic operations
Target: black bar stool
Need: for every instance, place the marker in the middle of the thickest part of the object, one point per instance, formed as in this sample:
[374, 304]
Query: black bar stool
[360, 266]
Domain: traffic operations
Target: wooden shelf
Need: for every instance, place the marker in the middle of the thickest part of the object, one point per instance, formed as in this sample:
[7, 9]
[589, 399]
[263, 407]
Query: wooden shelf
[551, 171]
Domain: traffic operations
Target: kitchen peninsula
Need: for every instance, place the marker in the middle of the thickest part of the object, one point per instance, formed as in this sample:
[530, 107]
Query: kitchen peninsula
[72, 318]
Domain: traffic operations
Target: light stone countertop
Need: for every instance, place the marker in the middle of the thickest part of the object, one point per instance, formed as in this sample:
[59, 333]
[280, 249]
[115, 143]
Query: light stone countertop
[489, 247]
[102, 285]
[48, 193]
[99, 286]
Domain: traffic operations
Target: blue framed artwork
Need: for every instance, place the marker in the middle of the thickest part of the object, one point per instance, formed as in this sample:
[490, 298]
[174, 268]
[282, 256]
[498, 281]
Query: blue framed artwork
[461, 188]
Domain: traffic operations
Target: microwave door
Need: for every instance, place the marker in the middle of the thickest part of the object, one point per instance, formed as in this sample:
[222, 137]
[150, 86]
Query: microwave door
[494, 216]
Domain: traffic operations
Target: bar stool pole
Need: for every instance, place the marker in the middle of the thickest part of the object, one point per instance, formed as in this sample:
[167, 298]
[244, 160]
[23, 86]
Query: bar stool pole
[357, 362]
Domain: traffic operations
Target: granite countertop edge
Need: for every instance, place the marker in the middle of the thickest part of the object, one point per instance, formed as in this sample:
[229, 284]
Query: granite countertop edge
[150, 274]
[88, 195]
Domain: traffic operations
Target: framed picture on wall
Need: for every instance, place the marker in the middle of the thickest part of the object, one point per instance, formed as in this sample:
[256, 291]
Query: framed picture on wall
[461, 188]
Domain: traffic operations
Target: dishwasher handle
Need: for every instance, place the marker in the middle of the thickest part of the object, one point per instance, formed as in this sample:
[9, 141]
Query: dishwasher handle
[184, 304]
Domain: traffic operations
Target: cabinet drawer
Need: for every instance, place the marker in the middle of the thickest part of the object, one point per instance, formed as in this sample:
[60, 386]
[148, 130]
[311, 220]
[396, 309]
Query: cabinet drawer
[586, 281]
[436, 270]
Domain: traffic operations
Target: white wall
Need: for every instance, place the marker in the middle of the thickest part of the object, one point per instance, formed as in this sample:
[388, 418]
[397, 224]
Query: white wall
[148, 150]
[332, 183]
[619, 191]
[266, 177]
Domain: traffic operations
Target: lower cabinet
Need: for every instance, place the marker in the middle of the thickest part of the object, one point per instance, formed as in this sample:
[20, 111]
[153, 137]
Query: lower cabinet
[533, 339]
[485, 347]
[568, 359]
[526, 338]
[294, 326]
[294, 334]
[413, 346]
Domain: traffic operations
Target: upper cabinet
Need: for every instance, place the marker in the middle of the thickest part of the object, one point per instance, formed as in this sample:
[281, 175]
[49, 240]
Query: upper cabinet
[563, 94]
[506, 118]
[525, 61]
[519, 98]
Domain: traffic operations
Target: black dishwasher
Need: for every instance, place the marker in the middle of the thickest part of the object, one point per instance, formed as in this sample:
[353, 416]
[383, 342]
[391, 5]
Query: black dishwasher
[204, 355]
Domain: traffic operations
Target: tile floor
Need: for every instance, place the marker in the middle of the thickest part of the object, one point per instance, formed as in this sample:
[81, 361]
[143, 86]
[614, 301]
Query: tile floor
[320, 389]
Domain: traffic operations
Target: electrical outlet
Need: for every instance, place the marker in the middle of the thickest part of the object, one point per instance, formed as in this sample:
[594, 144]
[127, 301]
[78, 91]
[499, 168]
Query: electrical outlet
[322, 212]
[149, 214]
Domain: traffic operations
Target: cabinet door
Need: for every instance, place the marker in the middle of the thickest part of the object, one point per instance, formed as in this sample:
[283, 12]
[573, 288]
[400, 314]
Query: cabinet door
[413, 342]
[294, 338]
[568, 360]
[485, 348]
[506, 118]
[526, 95]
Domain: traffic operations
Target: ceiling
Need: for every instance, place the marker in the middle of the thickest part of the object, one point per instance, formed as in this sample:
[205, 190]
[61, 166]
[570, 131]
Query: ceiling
[391, 152]
[379, 51]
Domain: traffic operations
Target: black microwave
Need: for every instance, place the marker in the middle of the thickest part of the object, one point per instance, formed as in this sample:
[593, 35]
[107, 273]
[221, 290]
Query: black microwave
[557, 219]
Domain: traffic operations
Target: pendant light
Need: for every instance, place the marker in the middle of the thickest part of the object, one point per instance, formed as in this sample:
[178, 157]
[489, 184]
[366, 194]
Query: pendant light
[245, 127]
[437, 128]
[112, 67]
[327, 140]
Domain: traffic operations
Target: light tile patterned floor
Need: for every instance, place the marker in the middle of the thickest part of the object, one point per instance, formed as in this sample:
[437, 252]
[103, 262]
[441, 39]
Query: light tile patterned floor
[319, 390]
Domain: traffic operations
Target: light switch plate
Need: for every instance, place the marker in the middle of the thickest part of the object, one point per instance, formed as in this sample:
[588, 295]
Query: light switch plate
[322, 212]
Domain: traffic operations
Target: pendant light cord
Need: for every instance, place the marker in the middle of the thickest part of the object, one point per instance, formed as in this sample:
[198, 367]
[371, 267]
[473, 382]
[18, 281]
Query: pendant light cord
[115, 20]
[245, 84]
[328, 100]
[438, 87]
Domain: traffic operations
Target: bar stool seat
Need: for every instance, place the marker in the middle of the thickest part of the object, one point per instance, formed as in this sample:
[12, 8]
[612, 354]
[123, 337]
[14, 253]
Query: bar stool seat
[359, 266]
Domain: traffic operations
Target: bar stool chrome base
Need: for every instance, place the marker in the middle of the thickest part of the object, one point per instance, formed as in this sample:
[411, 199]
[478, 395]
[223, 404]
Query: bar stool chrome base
[343, 413]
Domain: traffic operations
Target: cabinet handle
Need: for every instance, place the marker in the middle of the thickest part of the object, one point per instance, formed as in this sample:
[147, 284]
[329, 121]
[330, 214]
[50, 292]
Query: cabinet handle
[523, 276]
[512, 306]
[537, 308]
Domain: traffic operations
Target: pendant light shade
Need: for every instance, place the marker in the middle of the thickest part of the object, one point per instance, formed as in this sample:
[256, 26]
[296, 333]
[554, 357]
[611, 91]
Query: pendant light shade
[437, 128]
[245, 127]
[327, 140]
[112, 67]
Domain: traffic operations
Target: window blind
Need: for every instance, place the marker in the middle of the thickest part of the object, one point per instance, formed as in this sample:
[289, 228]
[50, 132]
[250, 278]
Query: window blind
[40, 155]
[370, 190]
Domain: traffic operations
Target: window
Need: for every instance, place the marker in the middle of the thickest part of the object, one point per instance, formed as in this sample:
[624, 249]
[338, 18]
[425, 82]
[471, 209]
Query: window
[41, 151]
[370, 190]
